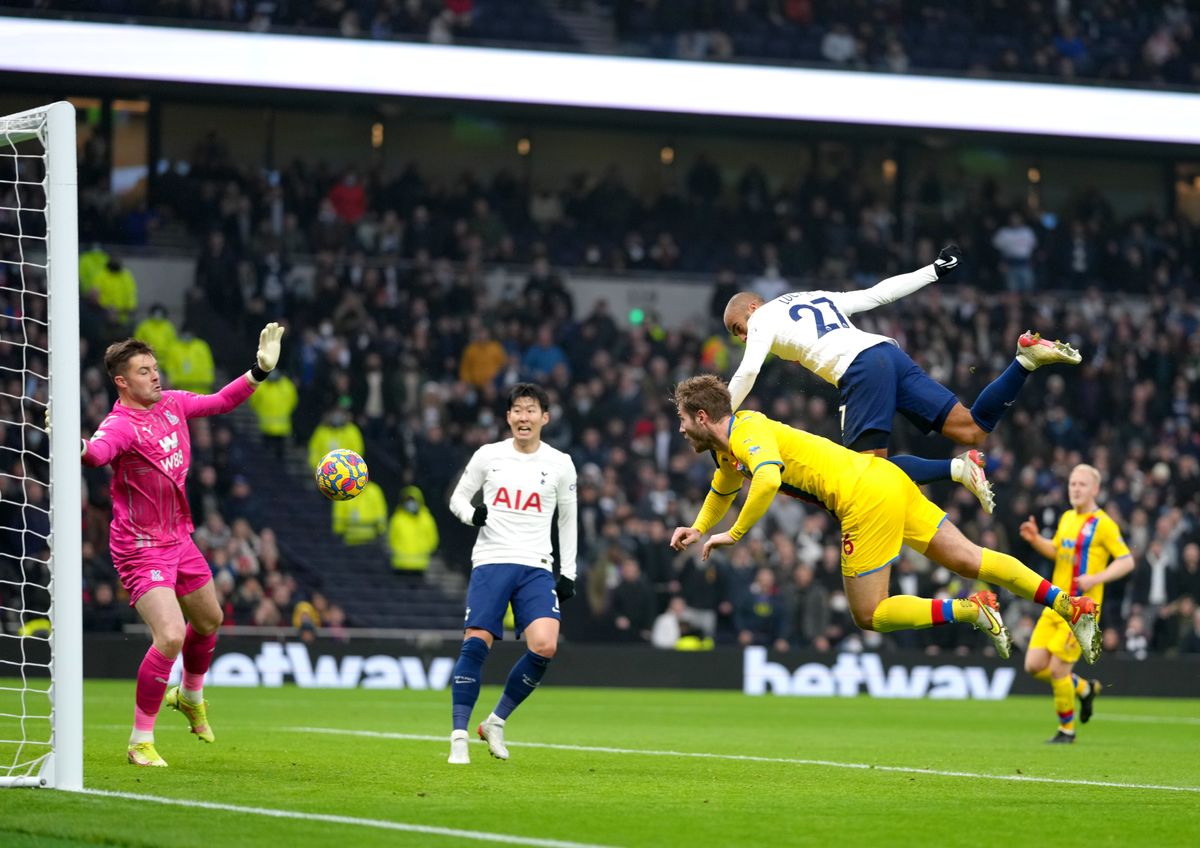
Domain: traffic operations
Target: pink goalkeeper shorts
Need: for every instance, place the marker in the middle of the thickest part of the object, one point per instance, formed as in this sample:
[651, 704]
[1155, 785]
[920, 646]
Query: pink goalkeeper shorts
[180, 567]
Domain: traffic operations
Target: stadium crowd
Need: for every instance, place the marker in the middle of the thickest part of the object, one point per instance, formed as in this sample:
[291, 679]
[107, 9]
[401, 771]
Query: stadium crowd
[1111, 41]
[397, 323]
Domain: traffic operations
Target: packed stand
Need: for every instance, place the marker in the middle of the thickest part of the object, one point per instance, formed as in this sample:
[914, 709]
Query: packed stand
[1110, 41]
[396, 331]
[392, 331]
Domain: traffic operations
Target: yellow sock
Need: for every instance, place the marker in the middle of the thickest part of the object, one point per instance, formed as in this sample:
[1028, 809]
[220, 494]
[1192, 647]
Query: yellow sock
[1043, 675]
[908, 612]
[1012, 574]
[1064, 702]
[1082, 687]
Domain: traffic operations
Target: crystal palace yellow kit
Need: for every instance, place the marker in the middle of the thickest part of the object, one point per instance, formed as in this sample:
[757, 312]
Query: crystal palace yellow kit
[879, 506]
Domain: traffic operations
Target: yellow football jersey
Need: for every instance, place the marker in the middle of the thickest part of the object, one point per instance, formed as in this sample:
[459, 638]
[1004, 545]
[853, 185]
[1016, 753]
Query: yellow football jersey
[1085, 543]
[812, 467]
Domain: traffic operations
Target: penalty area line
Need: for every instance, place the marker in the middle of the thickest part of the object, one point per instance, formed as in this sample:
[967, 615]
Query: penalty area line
[1016, 778]
[379, 824]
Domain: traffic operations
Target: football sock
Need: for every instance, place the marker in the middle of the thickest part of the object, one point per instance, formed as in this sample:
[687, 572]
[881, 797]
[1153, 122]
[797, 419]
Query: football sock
[1009, 572]
[922, 470]
[152, 677]
[526, 674]
[1064, 702]
[1043, 675]
[997, 396]
[1082, 687]
[197, 657]
[464, 691]
[908, 612]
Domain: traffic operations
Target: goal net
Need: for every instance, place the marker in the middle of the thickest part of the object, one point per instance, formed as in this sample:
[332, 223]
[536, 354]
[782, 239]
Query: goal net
[41, 678]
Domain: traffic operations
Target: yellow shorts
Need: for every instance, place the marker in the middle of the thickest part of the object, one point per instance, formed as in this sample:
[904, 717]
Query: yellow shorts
[1054, 634]
[886, 512]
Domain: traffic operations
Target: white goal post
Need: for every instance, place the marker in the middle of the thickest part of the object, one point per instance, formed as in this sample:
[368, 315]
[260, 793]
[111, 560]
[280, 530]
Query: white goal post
[41, 639]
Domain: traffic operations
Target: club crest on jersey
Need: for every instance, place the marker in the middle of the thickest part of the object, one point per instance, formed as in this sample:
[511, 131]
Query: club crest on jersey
[171, 416]
[517, 500]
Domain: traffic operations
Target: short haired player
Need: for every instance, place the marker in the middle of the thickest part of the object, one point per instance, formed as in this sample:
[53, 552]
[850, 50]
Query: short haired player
[875, 378]
[146, 441]
[523, 482]
[880, 510]
[1088, 552]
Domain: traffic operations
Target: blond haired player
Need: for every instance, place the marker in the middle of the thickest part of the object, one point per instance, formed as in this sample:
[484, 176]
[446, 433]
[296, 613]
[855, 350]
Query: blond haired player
[879, 507]
[1088, 552]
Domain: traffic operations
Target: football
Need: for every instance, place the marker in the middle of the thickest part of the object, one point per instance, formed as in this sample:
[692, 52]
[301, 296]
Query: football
[341, 474]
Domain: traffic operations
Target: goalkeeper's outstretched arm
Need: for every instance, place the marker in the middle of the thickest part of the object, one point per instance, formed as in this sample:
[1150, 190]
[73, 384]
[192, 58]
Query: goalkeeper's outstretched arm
[265, 360]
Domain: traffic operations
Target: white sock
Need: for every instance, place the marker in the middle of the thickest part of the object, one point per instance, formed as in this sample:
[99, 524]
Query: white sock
[141, 736]
[191, 697]
[957, 467]
[495, 719]
[459, 734]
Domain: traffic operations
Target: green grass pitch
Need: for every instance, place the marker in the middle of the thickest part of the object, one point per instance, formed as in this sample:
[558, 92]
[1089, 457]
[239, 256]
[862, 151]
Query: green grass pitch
[777, 771]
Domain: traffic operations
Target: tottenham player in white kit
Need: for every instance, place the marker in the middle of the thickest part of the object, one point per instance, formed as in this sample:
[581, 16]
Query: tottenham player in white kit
[523, 481]
[876, 378]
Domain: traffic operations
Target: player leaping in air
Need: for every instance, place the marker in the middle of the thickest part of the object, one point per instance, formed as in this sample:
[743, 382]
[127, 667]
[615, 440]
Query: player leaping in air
[875, 378]
[523, 481]
[146, 440]
[880, 509]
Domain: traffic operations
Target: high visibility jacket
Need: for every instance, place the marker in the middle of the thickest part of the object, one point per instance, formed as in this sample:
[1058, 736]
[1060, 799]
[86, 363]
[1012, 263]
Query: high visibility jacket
[273, 403]
[361, 519]
[190, 366]
[413, 536]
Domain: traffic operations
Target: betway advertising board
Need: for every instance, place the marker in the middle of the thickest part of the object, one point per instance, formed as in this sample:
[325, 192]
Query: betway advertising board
[395, 664]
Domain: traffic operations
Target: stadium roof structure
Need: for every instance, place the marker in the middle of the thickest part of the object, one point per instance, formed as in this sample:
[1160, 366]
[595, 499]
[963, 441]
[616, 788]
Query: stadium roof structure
[305, 63]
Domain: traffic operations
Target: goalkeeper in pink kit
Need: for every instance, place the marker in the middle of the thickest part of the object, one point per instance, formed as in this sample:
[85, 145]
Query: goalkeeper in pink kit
[145, 438]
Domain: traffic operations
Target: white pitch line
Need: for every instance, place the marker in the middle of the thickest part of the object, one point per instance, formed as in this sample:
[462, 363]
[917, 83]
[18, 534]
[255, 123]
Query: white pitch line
[1018, 778]
[380, 824]
[1144, 719]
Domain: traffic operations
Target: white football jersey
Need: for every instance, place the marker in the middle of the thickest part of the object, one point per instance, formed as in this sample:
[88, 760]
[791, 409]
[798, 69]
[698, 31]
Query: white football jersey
[814, 329]
[521, 492]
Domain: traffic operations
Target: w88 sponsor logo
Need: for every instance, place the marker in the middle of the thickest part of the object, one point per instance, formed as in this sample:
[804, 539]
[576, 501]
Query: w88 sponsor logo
[173, 461]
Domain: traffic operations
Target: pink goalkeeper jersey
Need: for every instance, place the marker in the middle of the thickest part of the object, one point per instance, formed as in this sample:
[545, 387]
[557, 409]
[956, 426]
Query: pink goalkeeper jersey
[150, 451]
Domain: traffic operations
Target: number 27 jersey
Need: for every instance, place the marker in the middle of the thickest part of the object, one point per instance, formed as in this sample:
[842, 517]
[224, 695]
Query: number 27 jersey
[811, 328]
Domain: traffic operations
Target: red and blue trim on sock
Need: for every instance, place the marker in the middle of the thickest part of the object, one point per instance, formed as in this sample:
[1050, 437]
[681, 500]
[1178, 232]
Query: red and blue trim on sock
[1046, 594]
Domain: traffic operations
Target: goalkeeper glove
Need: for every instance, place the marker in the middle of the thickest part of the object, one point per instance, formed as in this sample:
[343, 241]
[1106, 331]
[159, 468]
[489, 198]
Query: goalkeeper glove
[564, 588]
[268, 352]
[947, 260]
[480, 517]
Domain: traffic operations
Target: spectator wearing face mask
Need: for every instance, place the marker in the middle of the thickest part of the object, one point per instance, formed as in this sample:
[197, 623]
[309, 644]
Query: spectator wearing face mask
[413, 534]
[336, 430]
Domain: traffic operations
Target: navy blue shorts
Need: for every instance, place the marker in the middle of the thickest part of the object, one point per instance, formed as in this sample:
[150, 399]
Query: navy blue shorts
[882, 381]
[530, 590]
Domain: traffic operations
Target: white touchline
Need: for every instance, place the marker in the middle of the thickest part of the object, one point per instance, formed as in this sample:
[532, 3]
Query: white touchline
[1019, 778]
[381, 824]
[1146, 719]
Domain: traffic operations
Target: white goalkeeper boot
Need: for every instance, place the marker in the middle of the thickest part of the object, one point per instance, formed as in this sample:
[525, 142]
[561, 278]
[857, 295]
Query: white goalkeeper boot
[491, 731]
[459, 756]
